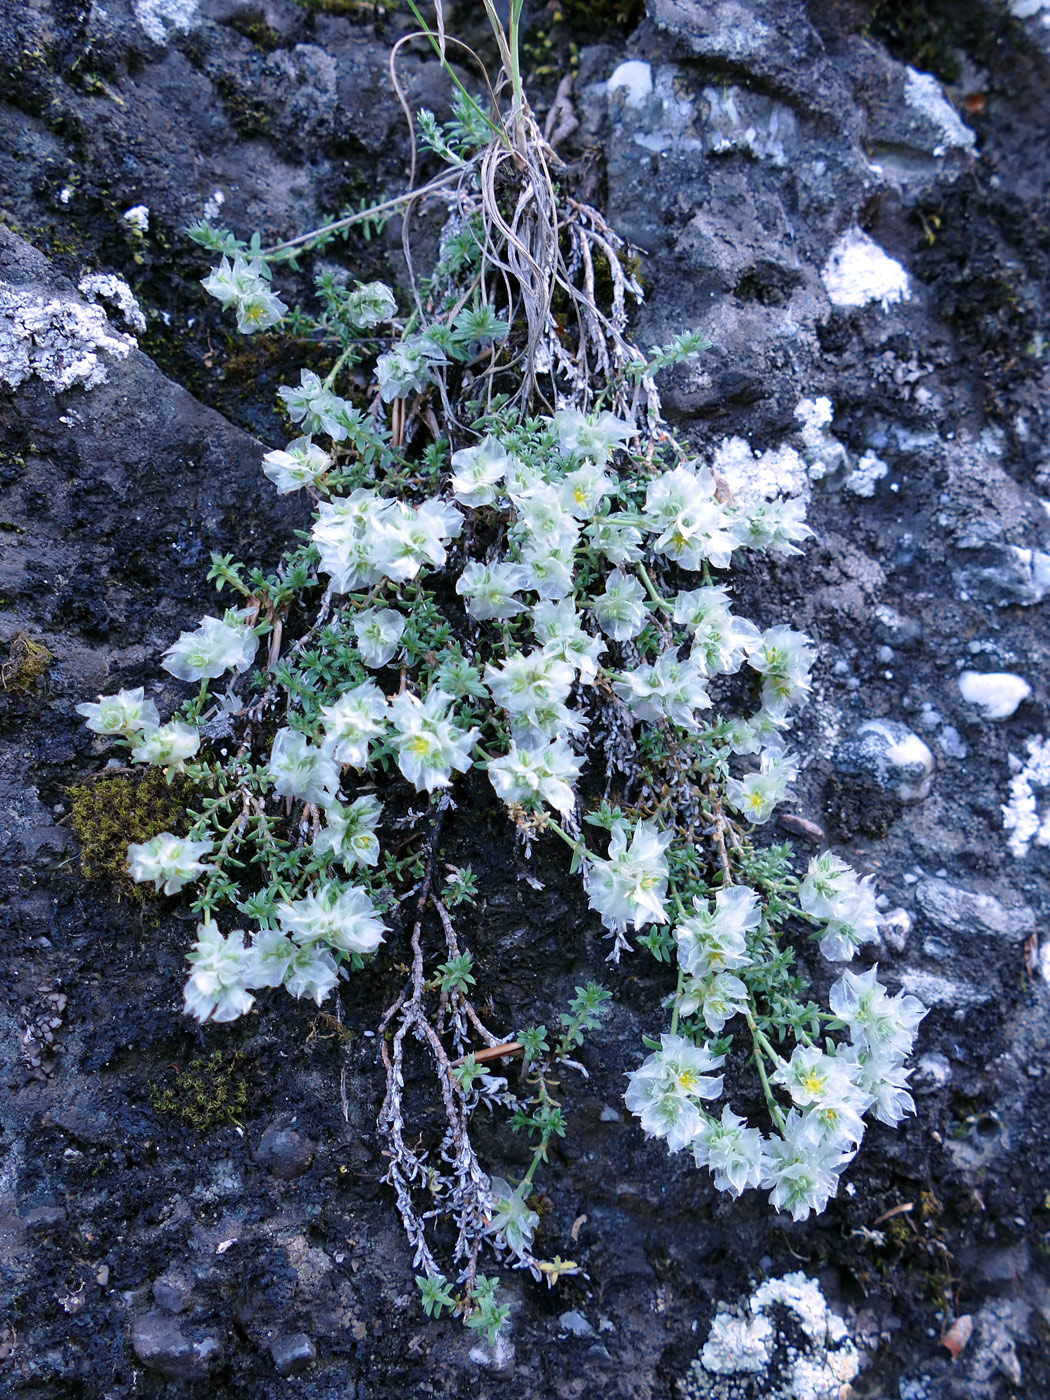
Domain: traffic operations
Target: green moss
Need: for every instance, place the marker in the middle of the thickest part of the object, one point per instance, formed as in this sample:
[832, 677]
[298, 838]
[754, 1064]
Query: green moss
[27, 660]
[209, 1092]
[110, 813]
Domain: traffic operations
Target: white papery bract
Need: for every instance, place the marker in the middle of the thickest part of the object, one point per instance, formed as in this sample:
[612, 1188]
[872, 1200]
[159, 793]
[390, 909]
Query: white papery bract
[756, 795]
[537, 772]
[511, 1217]
[784, 659]
[369, 305]
[713, 941]
[718, 999]
[583, 490]
[773, 526]
[299, 465]
[316, 407]
[378, 632]
[490, 590]
[721, 640]
[664, 1090]
[408, 537]
[128, 712]
[559, 631]
[666, 689]
[343, 919]
[832, 891]
[548, 570]
[802, 1167]
[543, 520]
[885, 1078]
[478, 471]
[312, 973]
[167, 746]
[350, 832]
[620, 611]
[217, 989]
[731, 1150]
[595, 438]
[171, 862]
[216, 646]
[299, 769]
[245, 285]
[882, 1025]
[426, 743]
[826, 1085]
[689, 522]
[616, 541]
[533, 690]
[409, 367]
[630, 887]
[360, 714]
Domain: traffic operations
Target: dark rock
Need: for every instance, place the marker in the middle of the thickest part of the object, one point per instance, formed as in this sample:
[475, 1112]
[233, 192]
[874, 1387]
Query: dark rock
[887, 756]
[162, 1346]
[293, 1354]
[173, 1291]
[285, 1153]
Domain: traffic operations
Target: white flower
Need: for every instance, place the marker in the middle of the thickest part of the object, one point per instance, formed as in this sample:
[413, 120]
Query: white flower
[272, 956]
[345, 535]
[311, 973]
[718, 999]
[732, 1151]
[662, 1092]
[548, 572]
[511, 1217]
[490, 590]
[428, 746]
[595, 439]
[167, 746]
[884, 1077]
[408, 367]
[784, 659]
[690, 523]
[826, 1086]
[244, 285]
[721, 641]
[378, 632]
[169, 861]
[404, 538]
[542, 518]
[299, 465]
[713, 941]
[756, 795]
[477, 471]
[538, 771]
[127, 712]
[371, 304]
[772, 526]
[803, 1167]
[832, 891]
[299, 769]
[619, 543]
[343, 919]
[349, 832]
[533, 690]
[349, 722]
[315, 407]
[559, 632]
[212, 648]
[218, 985]
[583, 490]
[620, 610]
[882, 1025]
[631, 885]
[665, 689]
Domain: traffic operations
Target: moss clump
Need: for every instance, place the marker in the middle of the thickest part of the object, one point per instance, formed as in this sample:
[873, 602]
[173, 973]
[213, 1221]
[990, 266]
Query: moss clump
[27, 660]
[110, 813]
[207, 1093]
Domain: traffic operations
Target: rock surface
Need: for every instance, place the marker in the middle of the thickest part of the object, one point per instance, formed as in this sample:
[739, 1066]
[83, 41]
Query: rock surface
[849, 200]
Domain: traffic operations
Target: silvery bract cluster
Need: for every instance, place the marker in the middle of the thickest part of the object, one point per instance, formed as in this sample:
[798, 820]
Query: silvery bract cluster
[554, 587]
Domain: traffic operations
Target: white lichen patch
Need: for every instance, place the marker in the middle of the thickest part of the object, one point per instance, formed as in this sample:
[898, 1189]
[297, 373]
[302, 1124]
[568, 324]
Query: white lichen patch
[1029, 9]
[823, 453]
[159, 17]
[1024, 817]
[633, 80]
[760, 476]
[58, 340]
[750, 1353]
[137, 217]
[924, 94]
[741, 121]
[997, 693]
[858, 273]
[866, 475]
[108, 287]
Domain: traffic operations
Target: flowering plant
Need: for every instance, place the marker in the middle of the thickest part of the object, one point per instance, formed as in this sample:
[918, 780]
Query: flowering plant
[545, 597]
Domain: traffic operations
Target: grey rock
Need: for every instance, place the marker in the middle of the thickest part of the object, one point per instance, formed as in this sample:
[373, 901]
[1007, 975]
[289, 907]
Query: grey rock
[284, 1152]
[497, 1359]
[935, 990]
[962, 912]
[1007, 575]
[292, 1354]
[173, 1291]
[889, 757]
[576, 1323]
[162, 1346]
[895, 628]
